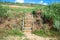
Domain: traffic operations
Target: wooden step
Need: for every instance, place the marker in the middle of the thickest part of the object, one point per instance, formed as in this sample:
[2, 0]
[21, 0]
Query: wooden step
[38, 18]
[28, 28]
[28, 21]
[28, 25]
[29, 16]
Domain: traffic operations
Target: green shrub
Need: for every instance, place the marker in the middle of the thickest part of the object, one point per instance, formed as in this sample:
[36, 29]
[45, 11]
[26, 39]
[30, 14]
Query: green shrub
[51, 33]
[40, 32]
[15, 32]
[52, 11]
[3, 11]
[5, 33]
[57, 24]
[56, 15]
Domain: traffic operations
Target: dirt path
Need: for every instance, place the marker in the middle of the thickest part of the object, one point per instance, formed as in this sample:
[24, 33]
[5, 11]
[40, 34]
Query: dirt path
[28, 36]
[35, 37]
[15, 6]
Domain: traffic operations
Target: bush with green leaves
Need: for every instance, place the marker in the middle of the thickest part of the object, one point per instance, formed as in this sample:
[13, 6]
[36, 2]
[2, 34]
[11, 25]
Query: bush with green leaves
[3, 11]
[53, 11]
[15, 32]
[56, 15]
[56, 9]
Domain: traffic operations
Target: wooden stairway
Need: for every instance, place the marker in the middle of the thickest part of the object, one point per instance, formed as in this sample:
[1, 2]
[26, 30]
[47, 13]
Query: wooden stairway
[28, 23]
